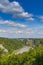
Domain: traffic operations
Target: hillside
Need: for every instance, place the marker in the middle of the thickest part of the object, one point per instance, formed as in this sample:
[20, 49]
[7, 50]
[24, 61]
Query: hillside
[21, 51]
[14, 44]
[32, 57]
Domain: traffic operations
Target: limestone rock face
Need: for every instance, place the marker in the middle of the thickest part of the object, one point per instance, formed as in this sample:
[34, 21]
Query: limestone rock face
[3, 48]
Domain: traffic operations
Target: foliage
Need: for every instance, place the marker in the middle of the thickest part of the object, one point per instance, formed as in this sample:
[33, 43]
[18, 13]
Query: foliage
[32, 57]
[12, 44]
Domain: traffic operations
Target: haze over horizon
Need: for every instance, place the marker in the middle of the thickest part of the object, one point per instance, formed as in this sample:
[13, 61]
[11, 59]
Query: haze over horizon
[21, 18]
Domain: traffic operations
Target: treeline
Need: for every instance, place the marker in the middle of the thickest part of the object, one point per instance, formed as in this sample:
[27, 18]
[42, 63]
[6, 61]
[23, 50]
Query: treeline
[33, 57]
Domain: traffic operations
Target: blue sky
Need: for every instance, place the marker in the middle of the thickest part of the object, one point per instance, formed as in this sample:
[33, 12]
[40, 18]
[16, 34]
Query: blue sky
[21, 18]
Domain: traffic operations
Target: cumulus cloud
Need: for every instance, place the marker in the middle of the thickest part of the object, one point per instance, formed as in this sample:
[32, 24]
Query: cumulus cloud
[29, 32]
[10, 31]
[12, 24]
[21, 28]
[17, 28]
[15, 9]
[16, 31]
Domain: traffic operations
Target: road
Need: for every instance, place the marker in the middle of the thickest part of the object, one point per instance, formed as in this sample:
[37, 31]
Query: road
[24, 49]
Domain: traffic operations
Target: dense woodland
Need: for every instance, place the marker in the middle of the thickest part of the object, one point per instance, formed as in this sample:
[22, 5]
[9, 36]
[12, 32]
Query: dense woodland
[12, 44]
[32, 57]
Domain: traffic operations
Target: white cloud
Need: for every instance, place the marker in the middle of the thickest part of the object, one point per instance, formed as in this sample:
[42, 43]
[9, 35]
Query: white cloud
[40, 33]
[17, 28]
[16, 31]
[4, 31]
[12, 23]
[41, 18]
[15, 9]
[29, 32]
